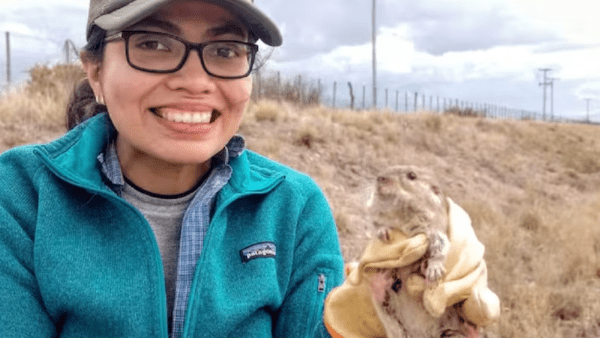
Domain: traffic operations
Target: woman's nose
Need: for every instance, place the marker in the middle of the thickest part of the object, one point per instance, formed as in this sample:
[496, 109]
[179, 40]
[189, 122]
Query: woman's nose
[192, 76]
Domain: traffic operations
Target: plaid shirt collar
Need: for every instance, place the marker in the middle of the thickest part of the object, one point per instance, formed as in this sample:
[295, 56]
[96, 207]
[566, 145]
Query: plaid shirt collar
[111, 168]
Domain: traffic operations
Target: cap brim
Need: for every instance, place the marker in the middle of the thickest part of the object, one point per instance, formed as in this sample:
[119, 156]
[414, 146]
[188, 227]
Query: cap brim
[258, 23]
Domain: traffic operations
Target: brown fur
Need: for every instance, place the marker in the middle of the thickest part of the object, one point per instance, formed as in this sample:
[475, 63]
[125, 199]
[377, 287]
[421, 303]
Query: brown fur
[409, 199]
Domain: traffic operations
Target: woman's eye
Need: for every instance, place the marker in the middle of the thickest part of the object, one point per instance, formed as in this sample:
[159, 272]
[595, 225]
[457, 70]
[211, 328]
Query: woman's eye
[226, 52]
[152, 45]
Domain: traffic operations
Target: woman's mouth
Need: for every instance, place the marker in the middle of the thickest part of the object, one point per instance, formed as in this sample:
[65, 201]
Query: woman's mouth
[180, 116]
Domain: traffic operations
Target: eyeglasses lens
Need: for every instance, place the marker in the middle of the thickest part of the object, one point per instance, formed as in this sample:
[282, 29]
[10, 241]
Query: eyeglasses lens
[162, 53]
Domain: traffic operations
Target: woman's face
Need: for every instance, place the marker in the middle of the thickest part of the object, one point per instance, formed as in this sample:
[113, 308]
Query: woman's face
[144, 106]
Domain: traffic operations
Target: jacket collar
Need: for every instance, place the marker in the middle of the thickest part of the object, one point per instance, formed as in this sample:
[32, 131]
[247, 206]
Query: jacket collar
[73, 158]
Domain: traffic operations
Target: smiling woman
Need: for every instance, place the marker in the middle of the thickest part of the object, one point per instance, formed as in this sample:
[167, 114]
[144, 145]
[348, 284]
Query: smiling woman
[149, 218]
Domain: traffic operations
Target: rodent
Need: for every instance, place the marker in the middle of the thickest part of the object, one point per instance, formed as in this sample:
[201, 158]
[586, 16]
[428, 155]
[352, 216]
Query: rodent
[410, 199]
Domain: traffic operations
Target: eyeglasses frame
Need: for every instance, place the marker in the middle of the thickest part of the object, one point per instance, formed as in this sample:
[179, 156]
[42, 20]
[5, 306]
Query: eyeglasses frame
[198, 47]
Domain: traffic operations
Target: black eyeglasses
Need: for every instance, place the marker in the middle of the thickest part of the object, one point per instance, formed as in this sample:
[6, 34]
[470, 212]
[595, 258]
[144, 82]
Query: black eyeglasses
[157, 52]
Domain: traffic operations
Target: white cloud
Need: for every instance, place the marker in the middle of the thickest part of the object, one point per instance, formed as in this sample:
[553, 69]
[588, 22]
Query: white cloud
[471, 49]
[577, 20]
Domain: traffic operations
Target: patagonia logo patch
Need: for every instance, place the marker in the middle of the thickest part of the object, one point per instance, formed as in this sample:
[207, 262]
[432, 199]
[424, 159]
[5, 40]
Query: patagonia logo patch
[259, 250]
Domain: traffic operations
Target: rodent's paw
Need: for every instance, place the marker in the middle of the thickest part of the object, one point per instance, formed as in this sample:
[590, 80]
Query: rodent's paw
[380, 282]
[434, 272]
[438, 244]
[384, 234]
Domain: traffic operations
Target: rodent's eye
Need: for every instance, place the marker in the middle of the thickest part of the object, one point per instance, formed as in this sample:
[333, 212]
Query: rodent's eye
[411, 176]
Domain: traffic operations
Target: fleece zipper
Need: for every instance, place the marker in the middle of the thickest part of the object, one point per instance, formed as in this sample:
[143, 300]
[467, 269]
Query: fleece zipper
[322, 288]
[189, 315]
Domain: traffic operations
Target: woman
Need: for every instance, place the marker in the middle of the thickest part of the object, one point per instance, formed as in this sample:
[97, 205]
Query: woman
[150, 219]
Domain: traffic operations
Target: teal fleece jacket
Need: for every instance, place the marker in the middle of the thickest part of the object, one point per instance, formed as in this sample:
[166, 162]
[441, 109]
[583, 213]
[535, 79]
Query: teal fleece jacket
[76, 260]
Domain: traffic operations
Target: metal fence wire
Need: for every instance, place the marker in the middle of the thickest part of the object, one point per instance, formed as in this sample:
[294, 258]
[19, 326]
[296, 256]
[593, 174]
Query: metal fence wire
[345, 95]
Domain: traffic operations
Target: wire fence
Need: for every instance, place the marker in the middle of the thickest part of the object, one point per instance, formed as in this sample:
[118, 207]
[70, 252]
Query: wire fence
[306, 91]
[345, 95]
[22, 52]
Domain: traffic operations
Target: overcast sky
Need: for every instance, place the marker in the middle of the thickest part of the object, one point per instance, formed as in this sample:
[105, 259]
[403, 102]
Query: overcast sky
[486, 51]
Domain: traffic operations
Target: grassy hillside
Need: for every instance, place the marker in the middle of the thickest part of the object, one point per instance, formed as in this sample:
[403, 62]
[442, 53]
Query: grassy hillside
[531, 188]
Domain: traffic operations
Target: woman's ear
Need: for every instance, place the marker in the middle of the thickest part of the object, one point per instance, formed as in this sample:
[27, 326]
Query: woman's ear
[93, 70]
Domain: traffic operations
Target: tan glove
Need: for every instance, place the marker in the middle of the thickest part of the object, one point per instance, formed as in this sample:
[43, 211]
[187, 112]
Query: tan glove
[466, 275]
[349, 311]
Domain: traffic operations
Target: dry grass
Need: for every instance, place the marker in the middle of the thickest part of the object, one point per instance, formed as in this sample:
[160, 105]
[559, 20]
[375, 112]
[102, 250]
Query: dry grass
[531, 188]
[35, 111]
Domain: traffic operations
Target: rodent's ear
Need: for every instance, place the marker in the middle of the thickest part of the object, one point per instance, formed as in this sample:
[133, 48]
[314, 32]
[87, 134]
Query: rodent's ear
[383, 180]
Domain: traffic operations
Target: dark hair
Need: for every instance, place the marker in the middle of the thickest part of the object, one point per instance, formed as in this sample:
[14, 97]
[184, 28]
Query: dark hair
[82, 103]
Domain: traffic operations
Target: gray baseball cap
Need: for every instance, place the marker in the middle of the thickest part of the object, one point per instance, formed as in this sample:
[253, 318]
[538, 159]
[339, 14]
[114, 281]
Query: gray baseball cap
[115, 15]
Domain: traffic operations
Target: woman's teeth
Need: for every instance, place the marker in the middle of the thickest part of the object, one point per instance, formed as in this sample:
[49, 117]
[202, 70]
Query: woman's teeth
[186, 117]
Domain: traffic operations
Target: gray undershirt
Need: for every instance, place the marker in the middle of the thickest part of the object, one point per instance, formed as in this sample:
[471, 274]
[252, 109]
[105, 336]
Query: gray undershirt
[165, 216]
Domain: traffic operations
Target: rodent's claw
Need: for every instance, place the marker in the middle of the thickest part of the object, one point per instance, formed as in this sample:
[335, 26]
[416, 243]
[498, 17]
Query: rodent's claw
[435, 272]
[384, 234]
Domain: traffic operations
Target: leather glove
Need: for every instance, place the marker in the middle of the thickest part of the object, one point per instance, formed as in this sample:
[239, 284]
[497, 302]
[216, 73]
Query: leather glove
[349, 311]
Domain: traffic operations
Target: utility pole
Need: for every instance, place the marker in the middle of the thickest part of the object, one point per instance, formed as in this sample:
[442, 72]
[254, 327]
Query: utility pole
[545, 83]
[588, 110]
[552, 96]
[8, 60]
[374, 57]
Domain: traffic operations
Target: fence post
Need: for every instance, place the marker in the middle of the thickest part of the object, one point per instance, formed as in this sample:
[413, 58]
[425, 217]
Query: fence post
[351, 96]
[423, 101]
[334, 90]
[8, 80]
[364, 87]
[279, 86]
[396, 100]
[386, 98]
[319, 92]
[406, 102]
[300, 91]
[416, 100]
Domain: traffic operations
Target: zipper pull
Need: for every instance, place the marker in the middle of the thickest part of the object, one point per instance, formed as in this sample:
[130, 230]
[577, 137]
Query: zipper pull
[322, 280]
